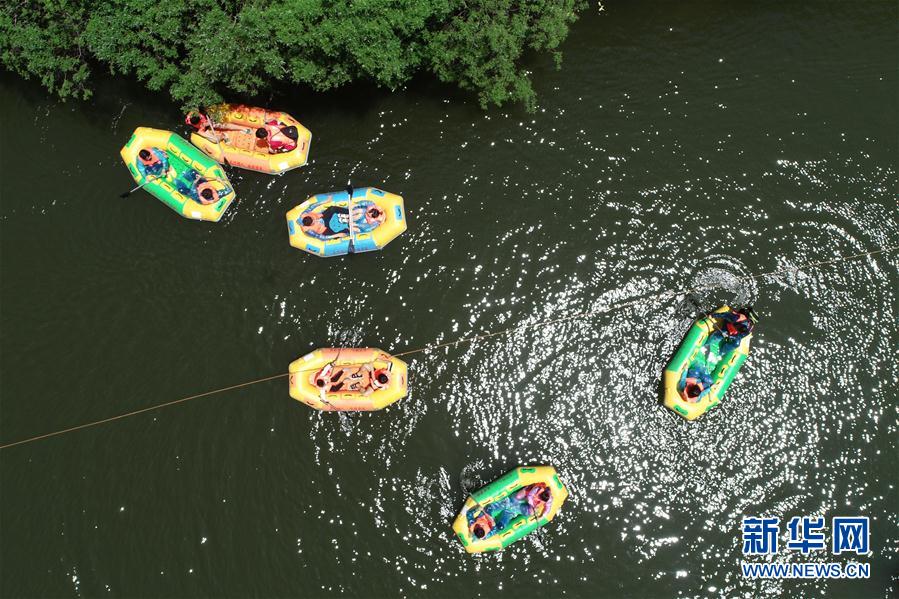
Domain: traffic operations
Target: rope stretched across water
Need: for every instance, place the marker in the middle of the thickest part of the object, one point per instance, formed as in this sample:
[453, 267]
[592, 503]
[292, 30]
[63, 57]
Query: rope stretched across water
[474, 338]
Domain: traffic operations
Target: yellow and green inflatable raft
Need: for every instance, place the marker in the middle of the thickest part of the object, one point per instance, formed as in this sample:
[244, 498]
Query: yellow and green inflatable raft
[701, 349]
[484, 500]
[184, 162]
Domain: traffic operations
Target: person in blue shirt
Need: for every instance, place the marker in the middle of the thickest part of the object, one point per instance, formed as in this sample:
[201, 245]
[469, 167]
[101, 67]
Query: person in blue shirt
[152, 162]
[695, 384]
[368, 217]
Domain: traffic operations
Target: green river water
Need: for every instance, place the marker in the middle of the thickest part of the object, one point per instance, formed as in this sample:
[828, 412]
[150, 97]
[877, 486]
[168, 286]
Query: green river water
[682, 143]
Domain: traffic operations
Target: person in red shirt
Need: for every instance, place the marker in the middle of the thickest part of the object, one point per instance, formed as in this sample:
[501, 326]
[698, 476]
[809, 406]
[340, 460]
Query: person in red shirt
[279, 139]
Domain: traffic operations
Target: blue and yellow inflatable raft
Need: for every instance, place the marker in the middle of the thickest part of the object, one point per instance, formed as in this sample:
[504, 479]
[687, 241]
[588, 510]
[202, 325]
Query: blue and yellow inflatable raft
[346, 222]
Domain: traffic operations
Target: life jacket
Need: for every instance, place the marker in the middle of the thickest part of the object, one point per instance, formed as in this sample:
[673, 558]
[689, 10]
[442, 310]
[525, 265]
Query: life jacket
[733, 330]
[692, 381]
[534, 493]
[322, 379]
[206, 185]
[533, 498]
[485, 522]
[375, 383]
[277, 141]
[203, 124]
[153, 161]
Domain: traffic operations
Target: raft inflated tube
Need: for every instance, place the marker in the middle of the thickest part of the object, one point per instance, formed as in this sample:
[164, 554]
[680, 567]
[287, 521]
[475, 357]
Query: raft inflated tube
[353, 369]
[521, 526]
[722, 376]
[181, 157]
[243, 149]
[366, 237]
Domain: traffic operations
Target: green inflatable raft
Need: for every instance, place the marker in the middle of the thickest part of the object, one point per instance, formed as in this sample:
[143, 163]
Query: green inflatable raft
[174, 177]
[487, 502]
[708, 349]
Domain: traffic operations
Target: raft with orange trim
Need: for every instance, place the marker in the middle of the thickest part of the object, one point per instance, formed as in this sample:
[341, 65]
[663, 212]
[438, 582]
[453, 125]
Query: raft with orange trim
[488, 502]
[243, 149]
[348, 379]
[173, 187]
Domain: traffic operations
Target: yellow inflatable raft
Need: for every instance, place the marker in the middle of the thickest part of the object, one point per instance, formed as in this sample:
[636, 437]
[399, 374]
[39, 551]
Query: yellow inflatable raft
[321, 226]
[348, 379]
[243, 149]
[172, 180]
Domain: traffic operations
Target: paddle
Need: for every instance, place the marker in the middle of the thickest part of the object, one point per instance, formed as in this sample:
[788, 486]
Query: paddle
[349, 191]
[217, 138]
[128, 193]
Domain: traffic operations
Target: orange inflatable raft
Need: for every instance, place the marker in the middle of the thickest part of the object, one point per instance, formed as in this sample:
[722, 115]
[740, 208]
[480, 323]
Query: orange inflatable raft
[239, 146]
[348, 379]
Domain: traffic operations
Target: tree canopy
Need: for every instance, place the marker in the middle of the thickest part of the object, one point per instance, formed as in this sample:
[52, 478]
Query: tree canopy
[200, 50]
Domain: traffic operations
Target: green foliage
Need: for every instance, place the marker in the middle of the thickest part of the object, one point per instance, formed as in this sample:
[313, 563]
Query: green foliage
[198, 50]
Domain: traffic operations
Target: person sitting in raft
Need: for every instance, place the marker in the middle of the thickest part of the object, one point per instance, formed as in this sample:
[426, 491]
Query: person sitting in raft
[278, 138]
[152, 162]
[199, 121]
[313, 224]
[199, 189]
[378, 379]
[537, 497]
[370, 219]
[737, 325]
[695, 384]
[483, 526]
[332, 222]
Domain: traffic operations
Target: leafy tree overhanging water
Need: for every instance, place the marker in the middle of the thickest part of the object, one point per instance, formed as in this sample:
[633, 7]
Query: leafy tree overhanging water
[200, 51]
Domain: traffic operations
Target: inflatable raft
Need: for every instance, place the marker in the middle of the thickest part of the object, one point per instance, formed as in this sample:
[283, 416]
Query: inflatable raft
[704, 348]
[348, 379]
[493, 505]
[243, 149]
[181, 164]
[321, 225]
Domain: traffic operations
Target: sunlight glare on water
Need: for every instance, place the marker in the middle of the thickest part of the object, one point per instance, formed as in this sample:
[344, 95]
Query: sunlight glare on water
[678, 148]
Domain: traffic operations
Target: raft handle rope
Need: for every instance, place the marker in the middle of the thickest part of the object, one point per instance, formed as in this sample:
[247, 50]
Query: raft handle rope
[579, 315]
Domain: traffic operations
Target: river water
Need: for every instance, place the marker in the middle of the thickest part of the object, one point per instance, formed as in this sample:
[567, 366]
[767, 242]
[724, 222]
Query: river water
[681, 144]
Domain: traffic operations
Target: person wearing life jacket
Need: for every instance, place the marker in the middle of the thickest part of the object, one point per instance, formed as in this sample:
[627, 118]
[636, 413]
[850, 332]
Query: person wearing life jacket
[206, 193]
[331, 222]
[313, 224]
[279, 139]
[331, 380]
[737, 325]
[204, 126]
[152, 162]
[692, 391]
[322, 379]
[537, 497]
[192, 184]
[371, 219]
[695, 384]
[483, 526]
[380, 379]
[200, 123]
